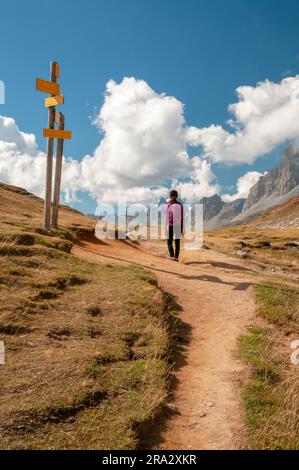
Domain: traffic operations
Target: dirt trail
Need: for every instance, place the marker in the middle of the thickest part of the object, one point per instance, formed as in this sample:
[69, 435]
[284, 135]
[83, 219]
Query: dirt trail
[217, 304]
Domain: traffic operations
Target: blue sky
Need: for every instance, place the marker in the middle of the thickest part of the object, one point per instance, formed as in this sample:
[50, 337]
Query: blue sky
[197, 51]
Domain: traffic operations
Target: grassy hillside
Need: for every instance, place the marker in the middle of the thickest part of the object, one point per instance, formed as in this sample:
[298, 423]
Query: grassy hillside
[272, 240]
[86, 345]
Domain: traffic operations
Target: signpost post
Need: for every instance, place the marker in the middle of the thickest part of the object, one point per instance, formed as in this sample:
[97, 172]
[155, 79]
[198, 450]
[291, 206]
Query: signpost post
[59, 119]
[53, 88]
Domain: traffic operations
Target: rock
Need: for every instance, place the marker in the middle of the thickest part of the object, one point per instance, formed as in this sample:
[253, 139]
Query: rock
[210, 404]
[172, 408]
[263, 244]
[241, 245]
[293, 244]
[133, 236]
[242, 254]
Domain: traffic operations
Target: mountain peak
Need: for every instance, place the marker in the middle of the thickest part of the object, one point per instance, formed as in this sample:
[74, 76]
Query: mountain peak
[278, 181]
[211, 206]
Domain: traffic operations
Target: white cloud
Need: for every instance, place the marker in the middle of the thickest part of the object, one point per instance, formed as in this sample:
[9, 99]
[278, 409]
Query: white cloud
[201, 183]
[244, 184]
[263, 117]
[143, 144]
[23, 164]
[145, 141]
[10, 134]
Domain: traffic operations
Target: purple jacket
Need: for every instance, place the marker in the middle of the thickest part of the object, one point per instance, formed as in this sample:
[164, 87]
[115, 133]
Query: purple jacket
[174, 213]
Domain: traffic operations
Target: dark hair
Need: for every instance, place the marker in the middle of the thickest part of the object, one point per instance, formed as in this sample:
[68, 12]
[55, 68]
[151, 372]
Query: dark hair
[173, 194]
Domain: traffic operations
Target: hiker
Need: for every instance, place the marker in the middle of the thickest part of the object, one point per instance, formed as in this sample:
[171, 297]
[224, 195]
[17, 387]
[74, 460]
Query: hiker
[174, 217]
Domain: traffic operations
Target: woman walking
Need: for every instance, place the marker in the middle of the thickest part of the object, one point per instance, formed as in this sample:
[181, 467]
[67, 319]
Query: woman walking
[174, 218]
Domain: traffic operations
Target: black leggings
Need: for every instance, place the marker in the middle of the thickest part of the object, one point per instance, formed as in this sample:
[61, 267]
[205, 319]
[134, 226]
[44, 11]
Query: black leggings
[177, 242]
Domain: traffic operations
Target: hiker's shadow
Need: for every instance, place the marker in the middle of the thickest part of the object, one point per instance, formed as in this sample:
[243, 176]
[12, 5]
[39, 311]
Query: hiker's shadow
[219, 264]
[217, 280]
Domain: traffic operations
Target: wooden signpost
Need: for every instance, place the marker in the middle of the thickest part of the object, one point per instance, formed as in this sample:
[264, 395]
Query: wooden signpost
[53, 88]
[49, 87]
[54, 101]
[57, 134]
[59, 119]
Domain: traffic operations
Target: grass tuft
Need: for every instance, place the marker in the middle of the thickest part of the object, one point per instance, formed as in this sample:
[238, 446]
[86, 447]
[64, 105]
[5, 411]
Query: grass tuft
[279, 304]
[271, 398]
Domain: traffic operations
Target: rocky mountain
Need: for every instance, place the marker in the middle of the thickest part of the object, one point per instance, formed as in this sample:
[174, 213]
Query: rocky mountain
[278, 181]
[211, 206]
[277, 186]
[229, 211]
[217, 214]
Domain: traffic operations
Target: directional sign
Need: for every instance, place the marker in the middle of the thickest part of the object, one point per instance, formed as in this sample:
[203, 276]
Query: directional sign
[47, 87]
[54, 100]
[54, 119]
[57, 134]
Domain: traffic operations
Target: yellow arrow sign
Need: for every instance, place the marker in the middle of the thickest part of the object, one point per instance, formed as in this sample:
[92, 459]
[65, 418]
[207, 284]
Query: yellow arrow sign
[54, 100]
[47, 87]
[57, 134]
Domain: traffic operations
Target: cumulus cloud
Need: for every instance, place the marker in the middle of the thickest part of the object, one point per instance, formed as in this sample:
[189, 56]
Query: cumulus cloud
[263, 117]
[243, 185]
[142, 152]
[202, 182]
[11, 134]
[145, 144]
[23, 164]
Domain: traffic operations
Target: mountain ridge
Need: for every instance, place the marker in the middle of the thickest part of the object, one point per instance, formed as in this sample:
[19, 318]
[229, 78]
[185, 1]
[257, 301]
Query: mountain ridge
[277, 186]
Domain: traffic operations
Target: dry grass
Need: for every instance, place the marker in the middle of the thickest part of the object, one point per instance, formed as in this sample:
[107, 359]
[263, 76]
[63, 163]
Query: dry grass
[269, 249]
[271, 397]
[86, 345]
[268, 240]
